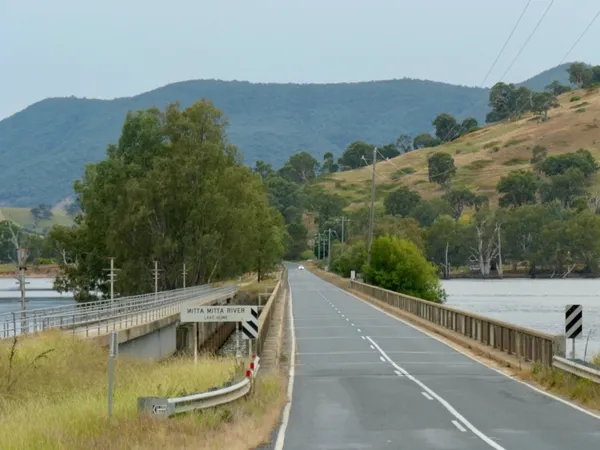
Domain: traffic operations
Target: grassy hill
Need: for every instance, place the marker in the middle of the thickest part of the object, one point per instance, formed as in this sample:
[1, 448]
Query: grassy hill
[44, 147]
[24, 218]
[483, 157]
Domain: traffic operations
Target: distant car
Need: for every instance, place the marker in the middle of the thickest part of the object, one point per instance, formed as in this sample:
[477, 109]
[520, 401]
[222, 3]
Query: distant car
[300, 267]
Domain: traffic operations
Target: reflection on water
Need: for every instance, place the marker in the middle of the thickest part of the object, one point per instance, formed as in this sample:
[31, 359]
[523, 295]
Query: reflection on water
[537, 304]
[38, 292]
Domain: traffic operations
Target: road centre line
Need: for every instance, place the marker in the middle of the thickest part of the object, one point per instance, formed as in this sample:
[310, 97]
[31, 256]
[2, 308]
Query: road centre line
[443, 402]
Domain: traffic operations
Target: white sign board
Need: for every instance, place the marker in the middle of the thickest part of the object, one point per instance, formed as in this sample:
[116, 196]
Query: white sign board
[217, 313]
[353, 275]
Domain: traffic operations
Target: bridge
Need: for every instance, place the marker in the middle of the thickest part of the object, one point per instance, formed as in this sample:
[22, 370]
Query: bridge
[362, 378]
[147, 325]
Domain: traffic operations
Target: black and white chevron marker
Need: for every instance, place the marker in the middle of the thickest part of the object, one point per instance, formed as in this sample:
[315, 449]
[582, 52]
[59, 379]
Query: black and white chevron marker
[250, 328]
[573, 321]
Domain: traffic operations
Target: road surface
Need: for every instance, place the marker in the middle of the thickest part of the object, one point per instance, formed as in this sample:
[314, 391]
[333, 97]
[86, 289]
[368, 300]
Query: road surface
[365, 380]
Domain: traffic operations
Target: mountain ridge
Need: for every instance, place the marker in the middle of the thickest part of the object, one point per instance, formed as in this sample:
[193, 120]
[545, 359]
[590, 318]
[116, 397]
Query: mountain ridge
[46, 145]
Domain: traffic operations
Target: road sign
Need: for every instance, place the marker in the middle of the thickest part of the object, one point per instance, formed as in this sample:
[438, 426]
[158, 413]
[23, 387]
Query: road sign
[159, 409]
[217, 313]
[573, 321]
[250, 327]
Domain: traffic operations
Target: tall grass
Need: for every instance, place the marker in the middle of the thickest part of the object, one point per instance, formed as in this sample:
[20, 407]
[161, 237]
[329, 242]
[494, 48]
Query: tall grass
[59, 400]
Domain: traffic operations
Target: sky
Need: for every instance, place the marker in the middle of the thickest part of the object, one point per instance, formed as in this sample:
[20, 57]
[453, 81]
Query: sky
[109, 48]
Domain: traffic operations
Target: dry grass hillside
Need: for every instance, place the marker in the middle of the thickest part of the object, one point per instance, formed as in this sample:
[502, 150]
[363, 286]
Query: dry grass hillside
[486, 155]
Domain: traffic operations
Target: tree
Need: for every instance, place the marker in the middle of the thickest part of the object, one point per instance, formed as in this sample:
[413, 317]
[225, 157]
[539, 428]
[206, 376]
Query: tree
[402, 228]
[265, 170]
[427, 211]
[270, 239]
[580, 74]
[300, 168]
[446, 244]
[458, 198]
[556, 88]
[41, 212]
[352, 158]
[441, 168]
[401, 202]
[541, 102]
[404, 143]
[425, 140]
[468, 125]
[582, 159]
[329, 165]
[539, 154]
[388, 151]
[173, 190]
[297, 238]
[398, 265]
[518, 188]
[564, 187]
[485, 231]
[446, 127]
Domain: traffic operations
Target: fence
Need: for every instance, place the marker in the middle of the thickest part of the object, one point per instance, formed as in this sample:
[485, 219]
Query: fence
[103, 315]
[526, 344]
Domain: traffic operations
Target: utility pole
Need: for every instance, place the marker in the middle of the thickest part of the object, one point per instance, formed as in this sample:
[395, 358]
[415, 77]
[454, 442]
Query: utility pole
[372, 218]
[155, 272]
[112, 276]
[184, 273]
[318, 246]
[329, 253]
[22, 254]
[342, 229]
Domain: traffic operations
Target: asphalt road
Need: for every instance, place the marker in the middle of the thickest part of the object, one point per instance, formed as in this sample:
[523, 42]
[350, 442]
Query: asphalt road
[364, 380]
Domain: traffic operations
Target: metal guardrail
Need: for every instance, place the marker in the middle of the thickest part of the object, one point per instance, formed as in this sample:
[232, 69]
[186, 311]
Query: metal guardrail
[577, 369]
[103, 315]
[162, 407]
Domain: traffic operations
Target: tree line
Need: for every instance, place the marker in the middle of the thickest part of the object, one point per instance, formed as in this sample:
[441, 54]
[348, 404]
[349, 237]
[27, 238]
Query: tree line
[172, 190]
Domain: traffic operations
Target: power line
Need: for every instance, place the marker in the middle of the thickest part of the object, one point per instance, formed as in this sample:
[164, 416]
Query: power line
[506, 42]
[528, 39]
[579, 38]
[453, 129]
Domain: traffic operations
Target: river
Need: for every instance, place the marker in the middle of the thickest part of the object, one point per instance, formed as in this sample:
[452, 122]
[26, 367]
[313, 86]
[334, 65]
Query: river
[537, 304]
[38, 292]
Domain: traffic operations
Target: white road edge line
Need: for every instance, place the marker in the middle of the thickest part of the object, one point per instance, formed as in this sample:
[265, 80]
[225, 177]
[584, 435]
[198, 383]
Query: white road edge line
[463, 352]
[427, 396]
[459, 426]
[288, 406]
[444, 403]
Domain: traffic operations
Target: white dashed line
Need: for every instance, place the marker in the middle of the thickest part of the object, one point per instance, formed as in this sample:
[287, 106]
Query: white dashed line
[382, 359]
[398, 373]
[459, 426]
[444, 403]
[358, 329]
[351, 324]
[372, 347]
[362, 337]
[427, 396]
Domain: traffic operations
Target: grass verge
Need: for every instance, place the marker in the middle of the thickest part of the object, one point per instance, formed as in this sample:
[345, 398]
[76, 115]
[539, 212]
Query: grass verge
[578, 390]
[53, 396]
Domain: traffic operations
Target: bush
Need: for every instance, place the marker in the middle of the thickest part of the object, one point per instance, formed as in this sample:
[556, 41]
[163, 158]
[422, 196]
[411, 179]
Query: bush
[399, 265]
[575, 98]
[307, 254]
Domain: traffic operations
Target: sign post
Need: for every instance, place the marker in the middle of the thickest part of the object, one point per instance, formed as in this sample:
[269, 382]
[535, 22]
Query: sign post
[113, 350]
[573, 323]
[245, 315]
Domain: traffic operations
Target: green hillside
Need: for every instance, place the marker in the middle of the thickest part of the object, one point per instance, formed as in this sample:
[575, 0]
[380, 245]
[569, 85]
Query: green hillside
[24, 218]
[45, 146]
